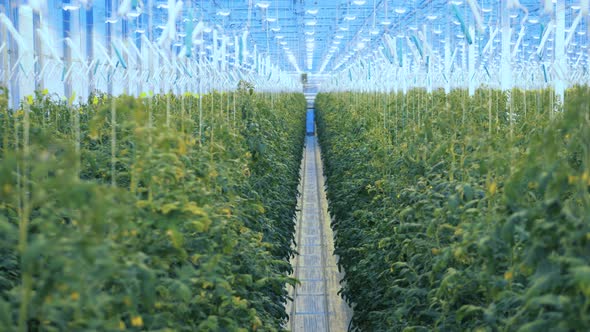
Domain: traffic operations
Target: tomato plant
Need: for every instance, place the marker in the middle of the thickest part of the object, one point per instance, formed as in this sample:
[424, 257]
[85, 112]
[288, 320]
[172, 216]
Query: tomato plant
[458, 213]
[154, 213]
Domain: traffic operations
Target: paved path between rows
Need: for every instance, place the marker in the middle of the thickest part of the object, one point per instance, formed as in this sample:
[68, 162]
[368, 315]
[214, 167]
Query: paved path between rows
[317, 306]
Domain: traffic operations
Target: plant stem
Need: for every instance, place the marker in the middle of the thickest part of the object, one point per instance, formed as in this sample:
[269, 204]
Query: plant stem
[24, 212]
[113, 141]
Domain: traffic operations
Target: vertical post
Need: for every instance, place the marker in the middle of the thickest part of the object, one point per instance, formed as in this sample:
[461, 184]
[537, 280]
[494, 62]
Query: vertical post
[90, 47]
[429, 62]
[109, 41]
[26, 67]
[38, 51]
[13, 52]
[559, 60]
[464, 67]
[505, 67]
[505, 70]
[127, 87]
[149, 35]
[5, 64]
[448, 59]
[139, 59]
[67, 52]
[471, 62]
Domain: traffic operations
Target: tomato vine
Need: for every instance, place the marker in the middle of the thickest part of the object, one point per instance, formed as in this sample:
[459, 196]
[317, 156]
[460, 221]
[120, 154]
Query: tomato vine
[146, 214]
[453, 213]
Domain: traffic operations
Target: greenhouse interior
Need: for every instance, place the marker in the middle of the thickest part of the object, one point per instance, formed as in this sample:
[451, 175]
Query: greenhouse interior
[295, 165]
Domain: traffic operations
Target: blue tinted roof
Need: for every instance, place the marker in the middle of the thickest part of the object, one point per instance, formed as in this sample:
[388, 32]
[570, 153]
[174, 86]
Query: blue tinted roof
[324, 38]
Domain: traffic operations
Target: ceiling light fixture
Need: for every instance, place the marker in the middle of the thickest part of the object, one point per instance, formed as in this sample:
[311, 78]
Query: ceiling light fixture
[263, 4]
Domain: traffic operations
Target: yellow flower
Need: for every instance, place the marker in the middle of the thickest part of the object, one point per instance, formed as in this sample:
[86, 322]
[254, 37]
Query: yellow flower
[44, 92]
[72, 98]
[30, 100]
[182, 148]
[95, 100]
[137, 321]
[93, 134]
[7, 188]
[571, 179]
[492, 188]
[256, 324]
[195, 259]
[122, 325]
[75, 296]
[508, 275]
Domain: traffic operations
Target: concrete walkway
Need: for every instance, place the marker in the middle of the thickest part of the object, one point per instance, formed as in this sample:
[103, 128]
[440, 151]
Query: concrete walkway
[317, 306]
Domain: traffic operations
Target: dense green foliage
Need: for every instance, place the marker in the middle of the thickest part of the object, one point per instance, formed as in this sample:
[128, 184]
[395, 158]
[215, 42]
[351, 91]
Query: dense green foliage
[160, 213]
[451, 214]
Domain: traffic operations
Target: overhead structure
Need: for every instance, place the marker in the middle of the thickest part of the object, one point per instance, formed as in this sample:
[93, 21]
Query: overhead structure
[133, 46]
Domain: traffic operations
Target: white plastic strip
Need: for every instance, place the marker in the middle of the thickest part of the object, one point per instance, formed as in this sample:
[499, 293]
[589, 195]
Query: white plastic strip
[17, 37]
[476, 14]
[491, 40]
[546, 34]
[517, 45]
[572, 30]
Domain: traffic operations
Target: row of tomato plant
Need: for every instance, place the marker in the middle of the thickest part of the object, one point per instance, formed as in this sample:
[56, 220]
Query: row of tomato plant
[159, 213]
[456, 213]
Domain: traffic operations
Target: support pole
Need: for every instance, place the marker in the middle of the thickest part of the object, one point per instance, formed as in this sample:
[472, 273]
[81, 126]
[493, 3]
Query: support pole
[13, 52]
[38, 47]
[448, 58]
[109, 42]
[67, 53]
[505, 68]
[559, 59]
[471, 62]
[90, 47]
